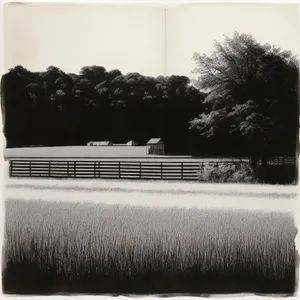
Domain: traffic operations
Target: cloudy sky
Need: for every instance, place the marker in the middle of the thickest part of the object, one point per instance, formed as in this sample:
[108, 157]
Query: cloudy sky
[136, 39]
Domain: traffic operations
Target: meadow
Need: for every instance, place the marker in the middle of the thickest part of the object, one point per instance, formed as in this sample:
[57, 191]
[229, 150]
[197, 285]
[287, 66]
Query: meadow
[77, 151]
[96, 152]
[100, 248]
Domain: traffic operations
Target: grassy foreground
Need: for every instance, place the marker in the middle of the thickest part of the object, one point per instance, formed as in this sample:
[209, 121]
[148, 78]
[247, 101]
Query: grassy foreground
[53, 247]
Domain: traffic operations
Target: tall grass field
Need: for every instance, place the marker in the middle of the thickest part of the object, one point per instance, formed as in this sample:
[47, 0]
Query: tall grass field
[53, 247]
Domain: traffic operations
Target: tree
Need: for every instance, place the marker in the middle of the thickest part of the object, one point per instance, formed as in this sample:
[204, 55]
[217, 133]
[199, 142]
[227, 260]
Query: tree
[252, 94]
[55, 108]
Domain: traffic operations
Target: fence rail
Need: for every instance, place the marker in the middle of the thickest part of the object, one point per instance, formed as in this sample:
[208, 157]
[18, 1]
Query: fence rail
[109, 169]
[169, 170]
[282, 161]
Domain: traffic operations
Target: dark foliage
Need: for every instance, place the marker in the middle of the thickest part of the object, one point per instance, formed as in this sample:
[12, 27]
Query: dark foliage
[253, 96]
[55, 108]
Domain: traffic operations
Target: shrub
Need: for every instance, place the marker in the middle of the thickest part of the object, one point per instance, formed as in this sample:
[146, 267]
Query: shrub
[228, 173]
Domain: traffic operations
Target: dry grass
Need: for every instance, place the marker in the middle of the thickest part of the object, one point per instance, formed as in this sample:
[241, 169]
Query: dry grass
[99, 248]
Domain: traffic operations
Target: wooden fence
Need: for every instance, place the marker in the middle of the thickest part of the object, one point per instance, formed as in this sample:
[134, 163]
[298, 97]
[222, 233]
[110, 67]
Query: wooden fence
[282, 161]
[163, 170]
[168, 170]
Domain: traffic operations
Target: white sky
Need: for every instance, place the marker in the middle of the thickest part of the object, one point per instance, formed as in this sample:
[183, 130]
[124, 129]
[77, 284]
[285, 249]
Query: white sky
[72, 36]
[135, 39]
[193, 28]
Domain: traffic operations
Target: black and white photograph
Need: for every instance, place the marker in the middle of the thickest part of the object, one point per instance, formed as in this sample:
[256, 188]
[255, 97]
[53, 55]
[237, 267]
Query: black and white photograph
[150, 149]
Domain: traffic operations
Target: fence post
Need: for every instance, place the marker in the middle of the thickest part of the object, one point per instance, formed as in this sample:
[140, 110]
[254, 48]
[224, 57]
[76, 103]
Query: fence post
[10, 168]
[140, 169]
[94, 169]
[161, 170]
[30, 168]
[75, 168]
[68, 169]
[119, 169]
[49, 168]
[99, 169]
[182, 170]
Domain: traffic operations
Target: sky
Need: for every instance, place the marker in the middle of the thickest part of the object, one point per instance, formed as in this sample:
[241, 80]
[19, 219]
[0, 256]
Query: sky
[193, 28]
[148, 40]
[72, 36]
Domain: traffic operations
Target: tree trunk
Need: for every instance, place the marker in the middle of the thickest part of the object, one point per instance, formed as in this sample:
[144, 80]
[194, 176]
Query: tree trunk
[264, 161]
[253, 161]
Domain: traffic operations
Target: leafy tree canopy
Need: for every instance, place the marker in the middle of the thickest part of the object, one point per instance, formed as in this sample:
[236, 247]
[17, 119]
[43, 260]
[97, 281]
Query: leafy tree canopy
[252, 92]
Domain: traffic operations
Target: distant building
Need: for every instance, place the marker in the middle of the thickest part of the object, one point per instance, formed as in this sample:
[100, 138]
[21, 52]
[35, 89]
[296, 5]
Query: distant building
[101, 143]
[131, 143]
[155, 146]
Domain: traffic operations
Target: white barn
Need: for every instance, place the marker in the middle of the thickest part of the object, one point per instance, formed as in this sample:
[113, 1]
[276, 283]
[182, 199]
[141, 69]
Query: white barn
[131, 143]
[101, 143]
[155, 146]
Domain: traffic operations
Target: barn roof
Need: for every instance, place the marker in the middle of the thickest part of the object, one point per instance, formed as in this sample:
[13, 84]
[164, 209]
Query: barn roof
[102, 142]
[154, 141]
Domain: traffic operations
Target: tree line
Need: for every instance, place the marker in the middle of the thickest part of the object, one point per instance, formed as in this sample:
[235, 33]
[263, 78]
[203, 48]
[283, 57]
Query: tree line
[244, 103]
[55, 108]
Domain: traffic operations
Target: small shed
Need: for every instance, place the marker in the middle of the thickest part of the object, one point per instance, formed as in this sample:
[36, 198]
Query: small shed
[101, 143]
[155, 146]
[131, 143]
